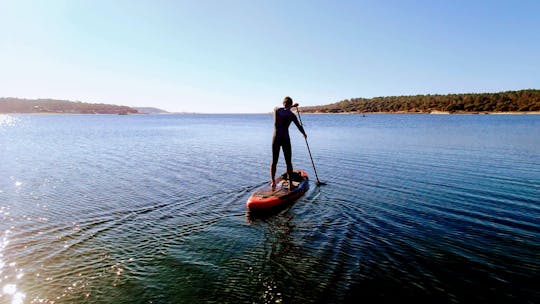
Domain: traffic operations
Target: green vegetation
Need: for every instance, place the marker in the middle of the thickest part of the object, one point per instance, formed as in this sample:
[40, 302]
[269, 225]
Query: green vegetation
[17, 105]
[510, 101]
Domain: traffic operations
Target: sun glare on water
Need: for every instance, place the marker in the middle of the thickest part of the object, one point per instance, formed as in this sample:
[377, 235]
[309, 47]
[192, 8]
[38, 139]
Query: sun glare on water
[7, 120]
[8, 292]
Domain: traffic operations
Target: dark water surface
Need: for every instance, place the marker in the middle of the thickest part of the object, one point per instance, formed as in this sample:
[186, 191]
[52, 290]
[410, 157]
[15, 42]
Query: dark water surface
[150, 209]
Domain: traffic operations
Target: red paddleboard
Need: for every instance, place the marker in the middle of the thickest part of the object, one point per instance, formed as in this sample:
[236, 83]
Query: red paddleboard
[268, 197]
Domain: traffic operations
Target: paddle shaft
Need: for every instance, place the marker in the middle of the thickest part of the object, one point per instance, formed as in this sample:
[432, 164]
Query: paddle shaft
[309, 150]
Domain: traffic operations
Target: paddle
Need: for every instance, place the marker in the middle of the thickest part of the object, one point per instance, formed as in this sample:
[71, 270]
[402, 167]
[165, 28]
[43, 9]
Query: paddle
[319, 183]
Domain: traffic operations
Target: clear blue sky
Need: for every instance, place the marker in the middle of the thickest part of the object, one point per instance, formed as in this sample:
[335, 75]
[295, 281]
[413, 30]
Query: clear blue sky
[245, 56]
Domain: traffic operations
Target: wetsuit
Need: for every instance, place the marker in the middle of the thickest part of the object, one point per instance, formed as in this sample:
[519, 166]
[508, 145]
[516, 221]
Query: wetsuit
[282, 120]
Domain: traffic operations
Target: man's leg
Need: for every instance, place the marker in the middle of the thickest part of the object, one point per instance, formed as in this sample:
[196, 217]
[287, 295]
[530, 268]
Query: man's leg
[275, 157]
[287, 152]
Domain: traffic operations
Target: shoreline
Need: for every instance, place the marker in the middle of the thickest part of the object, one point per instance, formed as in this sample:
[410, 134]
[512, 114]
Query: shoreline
[428, 113]
[303, 113]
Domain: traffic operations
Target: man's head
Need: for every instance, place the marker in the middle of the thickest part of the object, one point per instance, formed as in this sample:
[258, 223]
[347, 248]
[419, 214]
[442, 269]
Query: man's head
[287, 102]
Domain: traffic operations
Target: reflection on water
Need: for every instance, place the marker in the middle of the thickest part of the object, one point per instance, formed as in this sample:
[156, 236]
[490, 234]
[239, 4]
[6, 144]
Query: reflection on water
[9, 273]
[141, 209]
[8, 120]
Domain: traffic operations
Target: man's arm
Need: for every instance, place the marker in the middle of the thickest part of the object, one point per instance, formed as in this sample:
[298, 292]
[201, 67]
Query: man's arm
[298, 125]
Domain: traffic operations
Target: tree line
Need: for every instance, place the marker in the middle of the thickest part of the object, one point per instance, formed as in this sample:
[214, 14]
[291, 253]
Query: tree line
[17, 105]
[509, 101]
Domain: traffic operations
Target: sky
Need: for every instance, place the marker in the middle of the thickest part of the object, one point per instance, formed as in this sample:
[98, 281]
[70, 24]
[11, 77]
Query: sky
[245, 56]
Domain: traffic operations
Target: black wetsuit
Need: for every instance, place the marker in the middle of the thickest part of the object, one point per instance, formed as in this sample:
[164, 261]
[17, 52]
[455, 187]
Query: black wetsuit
[282, 120]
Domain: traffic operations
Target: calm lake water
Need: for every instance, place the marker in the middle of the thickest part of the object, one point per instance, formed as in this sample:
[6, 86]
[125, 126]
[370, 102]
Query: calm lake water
[151, 209]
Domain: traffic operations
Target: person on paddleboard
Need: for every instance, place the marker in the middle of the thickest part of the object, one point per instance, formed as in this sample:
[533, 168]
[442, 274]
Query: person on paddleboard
[281, 140]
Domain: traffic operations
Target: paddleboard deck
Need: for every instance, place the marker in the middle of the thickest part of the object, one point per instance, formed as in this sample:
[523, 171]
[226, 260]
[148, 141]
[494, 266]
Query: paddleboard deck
[268, 197]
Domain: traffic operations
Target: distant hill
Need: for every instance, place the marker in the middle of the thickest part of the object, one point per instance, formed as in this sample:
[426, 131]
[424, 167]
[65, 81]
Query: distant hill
[509, 101]
[18, 105]
[150, 110]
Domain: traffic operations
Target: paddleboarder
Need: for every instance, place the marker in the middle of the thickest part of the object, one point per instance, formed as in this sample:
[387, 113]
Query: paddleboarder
[281, 140]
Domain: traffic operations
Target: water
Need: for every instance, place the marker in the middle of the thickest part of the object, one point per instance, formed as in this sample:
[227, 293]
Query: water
[150, 209]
